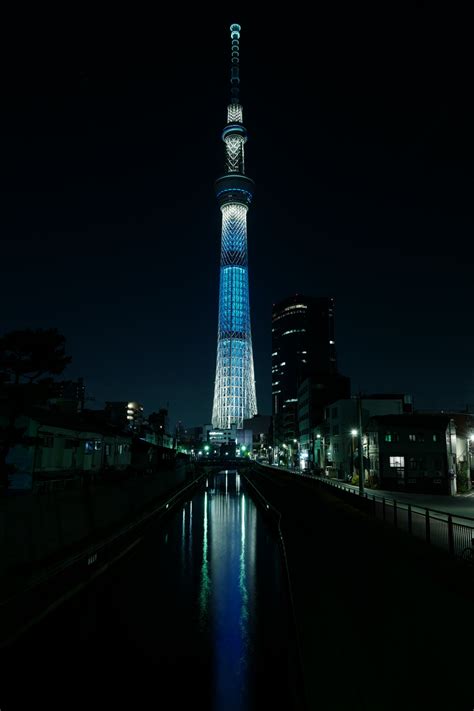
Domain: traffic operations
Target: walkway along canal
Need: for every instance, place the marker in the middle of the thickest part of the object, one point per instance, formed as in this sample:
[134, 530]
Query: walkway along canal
[197, 613]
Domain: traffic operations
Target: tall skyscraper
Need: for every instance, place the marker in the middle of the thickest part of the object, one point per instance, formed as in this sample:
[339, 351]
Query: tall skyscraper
[303, 344]
[234, 388]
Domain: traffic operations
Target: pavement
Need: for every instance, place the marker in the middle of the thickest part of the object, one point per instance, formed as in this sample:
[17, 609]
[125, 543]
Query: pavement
[459, 506]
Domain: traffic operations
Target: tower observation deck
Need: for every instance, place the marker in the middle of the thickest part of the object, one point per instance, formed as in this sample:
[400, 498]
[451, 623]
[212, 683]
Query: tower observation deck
[234, 388]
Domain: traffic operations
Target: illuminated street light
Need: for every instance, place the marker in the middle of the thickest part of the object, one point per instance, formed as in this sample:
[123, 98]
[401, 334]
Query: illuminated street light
[469, 439]
[354, 433]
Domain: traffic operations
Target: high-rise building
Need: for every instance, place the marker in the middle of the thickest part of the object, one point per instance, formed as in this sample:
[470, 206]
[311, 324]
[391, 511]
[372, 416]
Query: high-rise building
[124, 414]
[303, 344]
[234, 388]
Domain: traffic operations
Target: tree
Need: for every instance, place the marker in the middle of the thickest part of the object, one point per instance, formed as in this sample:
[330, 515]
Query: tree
[26, 358]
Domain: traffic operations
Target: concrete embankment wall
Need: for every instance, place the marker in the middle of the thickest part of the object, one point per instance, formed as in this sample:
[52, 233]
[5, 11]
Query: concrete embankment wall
[383, 619]
[36, 529]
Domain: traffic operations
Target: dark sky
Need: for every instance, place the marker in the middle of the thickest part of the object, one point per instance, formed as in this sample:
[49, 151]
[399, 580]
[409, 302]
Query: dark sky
[359, 143]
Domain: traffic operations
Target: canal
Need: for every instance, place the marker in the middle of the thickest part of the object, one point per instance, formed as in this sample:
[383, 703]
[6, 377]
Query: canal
[197, 613]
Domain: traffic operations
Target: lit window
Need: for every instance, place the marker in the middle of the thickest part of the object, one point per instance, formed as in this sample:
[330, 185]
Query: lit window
[412, 437]
[397, 462]
[435, 438]
[332, 342]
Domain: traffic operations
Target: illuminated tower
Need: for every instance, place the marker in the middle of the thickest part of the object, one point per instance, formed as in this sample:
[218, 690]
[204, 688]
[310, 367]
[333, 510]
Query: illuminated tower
[234, 389]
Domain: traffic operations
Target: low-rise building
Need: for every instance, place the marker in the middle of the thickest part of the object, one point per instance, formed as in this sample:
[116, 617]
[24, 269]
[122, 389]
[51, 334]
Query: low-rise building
[334, 441]
[58, 446]
[315, 394]
[412, 452]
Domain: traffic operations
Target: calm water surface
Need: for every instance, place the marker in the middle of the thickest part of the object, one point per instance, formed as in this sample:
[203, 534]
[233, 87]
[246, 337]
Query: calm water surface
[197, 613]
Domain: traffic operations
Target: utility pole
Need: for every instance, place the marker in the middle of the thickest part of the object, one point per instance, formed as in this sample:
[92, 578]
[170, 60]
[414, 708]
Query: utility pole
[361, 451]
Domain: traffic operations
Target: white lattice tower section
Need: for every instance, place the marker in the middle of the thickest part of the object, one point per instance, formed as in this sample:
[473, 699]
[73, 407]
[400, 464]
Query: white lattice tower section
[234, 113]
[235, 154]
[234, 235]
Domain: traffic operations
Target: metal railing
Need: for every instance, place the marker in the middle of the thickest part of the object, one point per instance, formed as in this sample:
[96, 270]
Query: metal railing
[444, 530]
[450, 532]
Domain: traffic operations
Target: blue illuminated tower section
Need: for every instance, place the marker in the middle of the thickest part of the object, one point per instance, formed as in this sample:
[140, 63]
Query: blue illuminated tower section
[234, 389]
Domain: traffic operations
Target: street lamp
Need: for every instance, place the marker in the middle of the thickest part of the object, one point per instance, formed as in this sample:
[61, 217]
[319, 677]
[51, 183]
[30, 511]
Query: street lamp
[353, 434]
[468, 457]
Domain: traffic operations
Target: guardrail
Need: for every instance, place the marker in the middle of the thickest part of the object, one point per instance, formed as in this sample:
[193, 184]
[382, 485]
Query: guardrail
[450, 532]
[96, 557]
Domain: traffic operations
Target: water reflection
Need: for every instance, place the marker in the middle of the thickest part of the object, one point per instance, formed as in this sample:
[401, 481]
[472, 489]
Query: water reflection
[231, 577]
[198, 609]
[205, 586]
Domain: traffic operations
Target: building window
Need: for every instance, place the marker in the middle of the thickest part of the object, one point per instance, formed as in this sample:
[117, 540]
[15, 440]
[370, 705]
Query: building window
[120, 448]
[70, 443]
[397, 462]
[420, 437]
[392, 437]
[107, 450]
[435, 438]
[335, 429]
[97, 445]
[335, 447]
[47, 441]
[89, 446]
[412, 437]
[388, 438]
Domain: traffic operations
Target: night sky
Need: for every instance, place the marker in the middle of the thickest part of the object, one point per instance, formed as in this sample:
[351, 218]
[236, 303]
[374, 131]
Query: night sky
[359, 143]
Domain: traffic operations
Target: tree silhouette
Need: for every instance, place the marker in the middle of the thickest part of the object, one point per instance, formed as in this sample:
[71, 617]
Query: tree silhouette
[26, 358]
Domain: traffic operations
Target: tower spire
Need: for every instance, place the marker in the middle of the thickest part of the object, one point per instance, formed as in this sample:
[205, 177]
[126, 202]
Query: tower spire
[235, 60]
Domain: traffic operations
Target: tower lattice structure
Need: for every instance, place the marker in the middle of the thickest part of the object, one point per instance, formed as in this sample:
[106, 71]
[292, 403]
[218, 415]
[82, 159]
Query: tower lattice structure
[234, 389]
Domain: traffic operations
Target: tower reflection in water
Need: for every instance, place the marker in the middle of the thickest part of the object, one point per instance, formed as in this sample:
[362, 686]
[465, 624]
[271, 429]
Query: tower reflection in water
[227, 585]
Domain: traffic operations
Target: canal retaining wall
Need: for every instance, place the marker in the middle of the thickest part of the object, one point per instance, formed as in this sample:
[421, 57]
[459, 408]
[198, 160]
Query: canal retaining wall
[39, 529]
